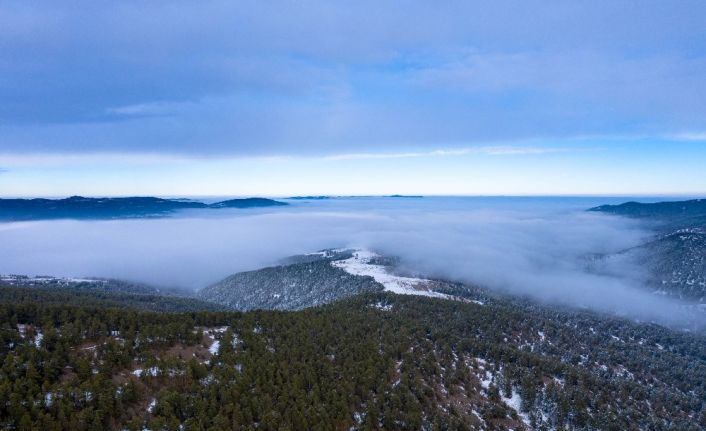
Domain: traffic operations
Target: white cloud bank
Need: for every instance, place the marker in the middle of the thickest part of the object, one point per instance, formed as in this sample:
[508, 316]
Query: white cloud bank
[536, 249]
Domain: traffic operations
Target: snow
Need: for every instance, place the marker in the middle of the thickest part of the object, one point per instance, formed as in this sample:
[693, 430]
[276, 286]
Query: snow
[38, 339]
[45, 279]
[486, 380]
[359, 264]
[213, 348]
[476, 414]
[358, 417]
[152, 371]
[381, 306]
[152, 405]
[515, 403]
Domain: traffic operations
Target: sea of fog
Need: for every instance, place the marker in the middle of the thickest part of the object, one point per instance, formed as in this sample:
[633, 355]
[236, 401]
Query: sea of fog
[534, 246]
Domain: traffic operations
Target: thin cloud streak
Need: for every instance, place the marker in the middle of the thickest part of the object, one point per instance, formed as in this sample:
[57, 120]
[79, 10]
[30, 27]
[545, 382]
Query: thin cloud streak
[492, 151]
[47, 159]
[690, 136]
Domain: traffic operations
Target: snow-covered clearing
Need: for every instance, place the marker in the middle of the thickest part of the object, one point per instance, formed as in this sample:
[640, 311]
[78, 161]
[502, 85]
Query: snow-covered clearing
[360, 264]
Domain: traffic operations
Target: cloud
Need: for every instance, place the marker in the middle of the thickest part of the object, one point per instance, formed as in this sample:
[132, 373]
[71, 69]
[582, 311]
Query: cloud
[487, 150]
[533, 247]
[147, 109]
[690, 136]
[321, 77]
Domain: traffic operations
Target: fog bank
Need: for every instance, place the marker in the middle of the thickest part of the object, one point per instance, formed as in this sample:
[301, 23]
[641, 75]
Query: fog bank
[523, 246]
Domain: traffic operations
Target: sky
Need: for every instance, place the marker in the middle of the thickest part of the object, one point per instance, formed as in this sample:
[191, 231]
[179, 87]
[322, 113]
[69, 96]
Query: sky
[229, 98]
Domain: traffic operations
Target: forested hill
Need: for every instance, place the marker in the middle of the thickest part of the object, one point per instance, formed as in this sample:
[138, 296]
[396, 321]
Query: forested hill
[675, 257]
[657, 210]
[300, 282]
[78, 207]
[372, 361]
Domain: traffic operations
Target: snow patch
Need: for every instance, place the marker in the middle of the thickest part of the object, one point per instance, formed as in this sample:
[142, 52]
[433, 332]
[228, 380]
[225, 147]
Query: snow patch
[38, 339]
[382, 306]
[515, 403]
[486, 380]
[152, 372]
[359, 264]
[152, 405]
[213, 348]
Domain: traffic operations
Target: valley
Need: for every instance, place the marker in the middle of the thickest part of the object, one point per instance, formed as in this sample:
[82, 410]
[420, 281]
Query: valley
[346, 339]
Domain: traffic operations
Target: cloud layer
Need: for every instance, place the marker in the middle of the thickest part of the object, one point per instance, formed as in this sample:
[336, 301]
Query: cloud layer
[314, 77]
[522, 246]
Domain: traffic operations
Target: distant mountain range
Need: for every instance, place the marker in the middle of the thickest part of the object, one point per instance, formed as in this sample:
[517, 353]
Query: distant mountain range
[78, 207]
[309, 198]
[324, 197]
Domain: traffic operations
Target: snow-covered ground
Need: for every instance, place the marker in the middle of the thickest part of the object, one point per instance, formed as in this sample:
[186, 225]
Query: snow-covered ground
[46, 279]
[359, 264]
[515, 403]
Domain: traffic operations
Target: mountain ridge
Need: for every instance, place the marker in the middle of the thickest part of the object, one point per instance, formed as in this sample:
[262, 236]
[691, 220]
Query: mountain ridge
[79, 207]
[675, 257]
[666, 209]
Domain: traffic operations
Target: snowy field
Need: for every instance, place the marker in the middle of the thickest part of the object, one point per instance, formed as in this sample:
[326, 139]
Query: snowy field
[360, 264]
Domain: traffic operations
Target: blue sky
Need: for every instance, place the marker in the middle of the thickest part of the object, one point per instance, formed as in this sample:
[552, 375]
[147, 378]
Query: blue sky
[308, 97]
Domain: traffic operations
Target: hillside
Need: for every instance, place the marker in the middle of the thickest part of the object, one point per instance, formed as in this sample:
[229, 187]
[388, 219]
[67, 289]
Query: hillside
[676, 263]
[305, 281]
[339, 339]
[675, 257]
[373, 361]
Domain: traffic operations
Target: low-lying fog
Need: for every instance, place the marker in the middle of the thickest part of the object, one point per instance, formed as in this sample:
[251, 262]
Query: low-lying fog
[532, 246]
